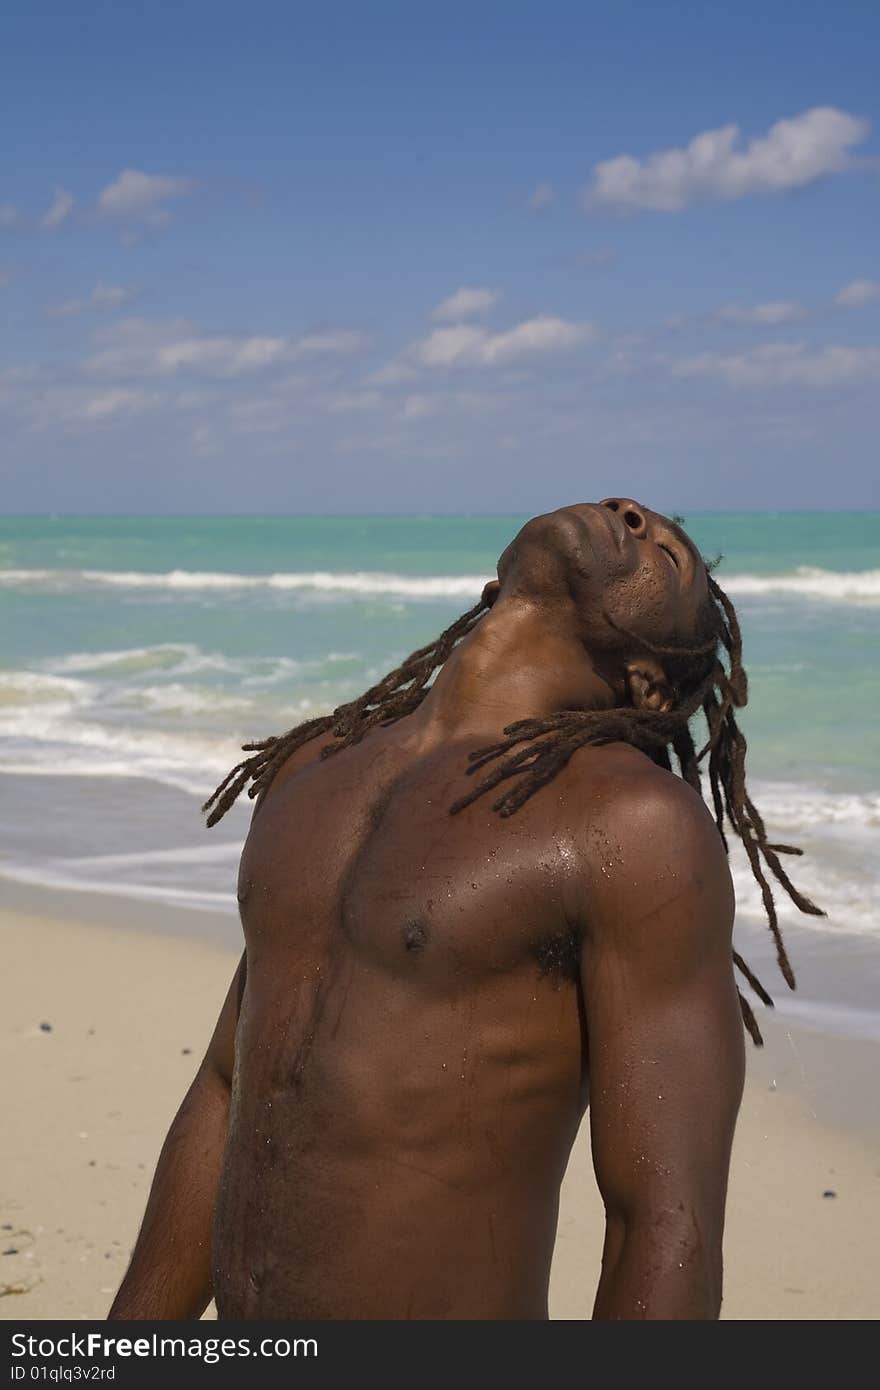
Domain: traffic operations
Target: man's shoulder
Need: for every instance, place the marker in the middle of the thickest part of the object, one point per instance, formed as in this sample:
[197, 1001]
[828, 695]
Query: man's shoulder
[622, 786]
[640, 828]
[303, 757]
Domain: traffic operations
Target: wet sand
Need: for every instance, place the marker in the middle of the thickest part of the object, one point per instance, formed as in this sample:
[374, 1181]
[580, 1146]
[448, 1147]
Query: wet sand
[104, 1024]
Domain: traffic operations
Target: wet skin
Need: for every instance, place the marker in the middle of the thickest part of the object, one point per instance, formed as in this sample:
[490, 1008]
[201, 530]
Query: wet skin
[426, 1002]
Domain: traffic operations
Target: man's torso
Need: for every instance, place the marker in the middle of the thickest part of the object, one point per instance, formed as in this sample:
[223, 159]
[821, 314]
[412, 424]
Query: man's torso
[411, 1064]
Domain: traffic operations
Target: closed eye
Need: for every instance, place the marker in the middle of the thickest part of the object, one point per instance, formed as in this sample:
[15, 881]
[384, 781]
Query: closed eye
[671, 553]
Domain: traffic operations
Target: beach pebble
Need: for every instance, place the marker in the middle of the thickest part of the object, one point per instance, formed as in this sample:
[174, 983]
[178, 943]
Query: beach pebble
[45, 1028]
[829, 1192]
[185, 1051]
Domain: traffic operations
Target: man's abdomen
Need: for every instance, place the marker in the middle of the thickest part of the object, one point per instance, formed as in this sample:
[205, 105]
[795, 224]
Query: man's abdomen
[396, 1156]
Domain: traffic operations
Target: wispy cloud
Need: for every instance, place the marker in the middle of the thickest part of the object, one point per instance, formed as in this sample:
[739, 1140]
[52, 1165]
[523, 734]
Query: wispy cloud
[784, 364]
[101, 297]
[141, 347]
[793, 153]
[134, 196]
[466, 303]
[418, 407]
[775, 312]
[858, 293]
[468, 345]
[62, 206]
[106, 405]
[542, 195]
[392, 374]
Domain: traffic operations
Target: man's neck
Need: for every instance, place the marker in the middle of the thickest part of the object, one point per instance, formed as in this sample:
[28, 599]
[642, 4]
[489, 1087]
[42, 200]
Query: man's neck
[517, 663]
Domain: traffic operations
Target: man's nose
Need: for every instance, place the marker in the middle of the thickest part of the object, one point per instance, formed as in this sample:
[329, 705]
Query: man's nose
[630, 513]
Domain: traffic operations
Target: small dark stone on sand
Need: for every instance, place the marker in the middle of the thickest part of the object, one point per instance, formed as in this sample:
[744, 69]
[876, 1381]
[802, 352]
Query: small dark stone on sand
[91, 1163]
[185, 1051]
[11, 1251]
[829, 1192]
[7, 1225]
[45, 1028]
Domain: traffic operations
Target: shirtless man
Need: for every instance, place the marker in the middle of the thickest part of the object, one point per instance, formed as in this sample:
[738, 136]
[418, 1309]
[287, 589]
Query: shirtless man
[427, 1002]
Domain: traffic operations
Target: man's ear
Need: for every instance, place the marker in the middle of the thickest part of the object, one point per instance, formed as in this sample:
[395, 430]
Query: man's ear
[647, 685]
[491, 592]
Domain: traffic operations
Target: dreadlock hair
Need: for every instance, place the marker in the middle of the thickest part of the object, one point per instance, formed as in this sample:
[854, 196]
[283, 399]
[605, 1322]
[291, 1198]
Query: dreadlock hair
[534, 750]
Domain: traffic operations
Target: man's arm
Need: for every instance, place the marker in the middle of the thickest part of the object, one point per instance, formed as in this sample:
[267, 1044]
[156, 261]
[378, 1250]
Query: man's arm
[666, 1053]
[170, 1271]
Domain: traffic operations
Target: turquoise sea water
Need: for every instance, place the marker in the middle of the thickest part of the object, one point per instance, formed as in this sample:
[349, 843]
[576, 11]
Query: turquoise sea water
[139, 652]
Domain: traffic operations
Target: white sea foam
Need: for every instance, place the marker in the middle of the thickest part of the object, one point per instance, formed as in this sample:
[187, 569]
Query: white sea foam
[805, 582]
[859, 586]
[187, 659]
[68, 879]
[358, 584]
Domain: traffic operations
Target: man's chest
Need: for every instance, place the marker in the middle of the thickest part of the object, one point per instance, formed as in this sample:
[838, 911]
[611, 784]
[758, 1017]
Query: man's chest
[384, 872]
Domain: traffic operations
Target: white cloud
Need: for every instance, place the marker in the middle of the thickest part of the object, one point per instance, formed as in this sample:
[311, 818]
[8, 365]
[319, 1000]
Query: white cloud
[101, 297]
[9, 216]
[467, 345]
[769, 315]
[59, 211]
[140, 347]
[784, 364]
[792, 154]
[465, 303]
[134, 196]
[107, 404]
[858, 293]
[417, 407]
[341, 342]
[392, 374]
[541, 196]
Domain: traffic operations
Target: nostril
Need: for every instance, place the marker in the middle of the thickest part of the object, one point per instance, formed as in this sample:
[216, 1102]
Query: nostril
[632, 519]
[612, 504]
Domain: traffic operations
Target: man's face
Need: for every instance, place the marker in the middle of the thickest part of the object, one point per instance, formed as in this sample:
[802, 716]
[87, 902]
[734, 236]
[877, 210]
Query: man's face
[618, 560]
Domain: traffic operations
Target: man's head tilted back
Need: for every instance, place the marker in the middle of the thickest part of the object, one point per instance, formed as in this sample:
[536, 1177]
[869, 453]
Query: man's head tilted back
[629, 582]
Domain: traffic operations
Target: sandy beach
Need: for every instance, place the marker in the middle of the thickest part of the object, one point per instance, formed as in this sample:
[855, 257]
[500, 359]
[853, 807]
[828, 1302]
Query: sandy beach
[104, 1024]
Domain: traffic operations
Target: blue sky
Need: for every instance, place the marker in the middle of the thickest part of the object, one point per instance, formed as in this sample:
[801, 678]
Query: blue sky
[279, 257]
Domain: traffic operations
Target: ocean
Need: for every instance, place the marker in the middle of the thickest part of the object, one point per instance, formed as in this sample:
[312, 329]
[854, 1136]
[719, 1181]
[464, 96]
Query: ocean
[139, 652]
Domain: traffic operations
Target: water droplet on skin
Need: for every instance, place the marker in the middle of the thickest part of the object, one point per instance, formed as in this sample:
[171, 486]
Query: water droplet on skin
[443, 1066]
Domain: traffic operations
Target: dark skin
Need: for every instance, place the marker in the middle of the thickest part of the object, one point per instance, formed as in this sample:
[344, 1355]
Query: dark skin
[427, 1003]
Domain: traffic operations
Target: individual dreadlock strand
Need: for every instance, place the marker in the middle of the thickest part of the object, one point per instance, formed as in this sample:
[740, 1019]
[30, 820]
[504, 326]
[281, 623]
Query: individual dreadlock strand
[718, 803]
[799, 899]
[749, 1020]
[687, 758]
[711, 710]
[748, 835]
[753, 980]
